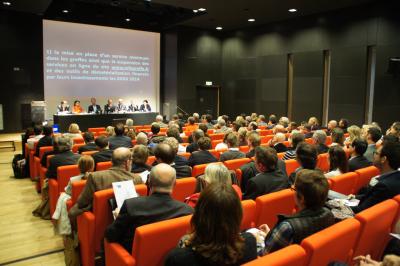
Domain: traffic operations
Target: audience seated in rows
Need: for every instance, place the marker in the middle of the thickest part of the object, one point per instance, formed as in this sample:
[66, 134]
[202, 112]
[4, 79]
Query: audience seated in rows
[215, 237]
[319, 138]
[306, 156]
[343, 124]
[233, 149]
[277, 142]
[196, 135]
[387, 159]
[165, 153]
[173, 131]
[253, 141]
[130, 129]
[331, 125]
[159, 121]
[104, 154]
[337, 137]
[191, 124]
[272, 121]
[213, 174]
[314, 123]
[357, 159]
[338, 163]
[88, 137]
[294, 140]
[373, 136]
[311, 191]
[269, 179]
[100, 180]
[179, 160]
[46, 140]
[37, 135]
[158, 206]
[119, 140]
[221, 126]
[207, 120]
[64, 156]
[202, 156]
[73, 132]
[354, 133]
[242, 133]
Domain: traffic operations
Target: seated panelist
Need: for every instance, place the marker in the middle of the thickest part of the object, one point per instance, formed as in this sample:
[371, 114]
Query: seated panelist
[63, 107]
[120, 106]
[132, 107]
[77, 109]
[145, 107]
[109, 107]
[94, 108]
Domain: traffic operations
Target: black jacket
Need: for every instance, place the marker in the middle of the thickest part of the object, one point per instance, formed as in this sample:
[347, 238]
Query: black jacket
[87, 147]
[192, 147]
[91, 109]
[102, 156]
[280, 147]
[322, 148]
[264, 183]
[180, 160]
[61, 159]
[109, 109]
[143, 210]
[43, 142]
[201, 157]
[358, 162]
[119, 141]
[231, 155]
[387, 187]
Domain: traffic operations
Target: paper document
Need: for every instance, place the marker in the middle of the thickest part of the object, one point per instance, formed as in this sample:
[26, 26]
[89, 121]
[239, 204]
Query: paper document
[395, 235]
[144, 176]
[123, 190]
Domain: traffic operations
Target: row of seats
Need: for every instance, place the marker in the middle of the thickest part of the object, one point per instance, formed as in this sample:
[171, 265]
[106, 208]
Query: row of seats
[264, 210]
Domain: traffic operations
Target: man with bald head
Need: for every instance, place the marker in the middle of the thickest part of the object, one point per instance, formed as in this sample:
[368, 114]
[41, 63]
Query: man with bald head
[277, 142]
[331, 125]
[157, 207]
[100, 180]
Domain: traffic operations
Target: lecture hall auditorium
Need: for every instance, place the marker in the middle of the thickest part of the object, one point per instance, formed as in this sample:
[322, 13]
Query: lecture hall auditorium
[166, 132]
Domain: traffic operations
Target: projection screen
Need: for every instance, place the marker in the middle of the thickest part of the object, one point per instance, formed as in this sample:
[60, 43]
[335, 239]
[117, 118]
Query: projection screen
[82, 61]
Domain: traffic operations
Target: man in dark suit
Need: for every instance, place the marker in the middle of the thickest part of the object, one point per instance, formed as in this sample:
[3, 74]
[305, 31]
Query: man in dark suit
[165, 153]
[387, 159]
[178, 160]
[120, 106]
[357, 159]
[89, 143]
[64, 156]
[196, 135]
[145, 106]
[100, 180]
[319, 138]
[269, 179]
[94, 108]
[63, 107]
[139, 211]
[253, 141]
[233, 149]
[119, 140]
[46, 140]
[277, 142]
[104, 154]
[202, 156]
[109, 107]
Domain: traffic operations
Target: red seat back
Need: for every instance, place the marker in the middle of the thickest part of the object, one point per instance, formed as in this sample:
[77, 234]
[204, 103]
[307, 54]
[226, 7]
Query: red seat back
[364, 176]
[293, 255]
[42, 150]
[291, 166]
[199, 169]
[249, 214]
[344, 183]
[103, 166]
[76, 147]
[272, 204]
[184, 187]
[334, 243]
[236, 163]
[64, 173]
[323, 162]
[376, 224]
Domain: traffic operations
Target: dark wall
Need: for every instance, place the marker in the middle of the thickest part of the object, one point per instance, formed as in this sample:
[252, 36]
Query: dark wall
[21, 78]
[253, 64]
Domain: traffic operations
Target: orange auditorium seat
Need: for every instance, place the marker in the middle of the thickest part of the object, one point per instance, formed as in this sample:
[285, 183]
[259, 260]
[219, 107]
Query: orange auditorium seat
[144, 251]
[92, 224]
[103, 166]
[265, 132]
[31, 154]
[323, 162]
[266, 139]
[199, 169]
[328, 141]
[37, 160]
[236, 163]
[344, 183]
[151, 160]
[214, 143]
[293, 255]
[88, 152]
[335, 243]
[249, 214]
[184, 188]
[272, 204]
[244, 149]
[215, 153]
[76, 190]
[218, 136]
[309, 141]
[96, 129]
[76, 147]
[364, 176]
[376, 224]
[185, 154]
[78, 141]
[291, 166]
[56, 186]
[280, 155]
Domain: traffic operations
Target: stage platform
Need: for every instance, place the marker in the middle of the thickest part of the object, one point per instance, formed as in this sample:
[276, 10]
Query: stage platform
[86, 121]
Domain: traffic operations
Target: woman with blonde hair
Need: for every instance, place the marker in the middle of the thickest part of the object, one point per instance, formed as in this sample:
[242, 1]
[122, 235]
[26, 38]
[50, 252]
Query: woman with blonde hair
[215, 173]
[354, 133]
[110, 131]
[73, 131]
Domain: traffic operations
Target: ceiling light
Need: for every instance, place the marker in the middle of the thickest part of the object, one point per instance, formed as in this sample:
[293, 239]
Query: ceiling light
[127, 19]
[7, 3]
[251, 20]
[65, 11]
[219, 28]
[195, 10]
[292, 10]
[202, 9]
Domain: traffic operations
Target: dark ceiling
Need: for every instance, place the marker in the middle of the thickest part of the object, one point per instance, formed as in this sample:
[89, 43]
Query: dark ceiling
[163, 14]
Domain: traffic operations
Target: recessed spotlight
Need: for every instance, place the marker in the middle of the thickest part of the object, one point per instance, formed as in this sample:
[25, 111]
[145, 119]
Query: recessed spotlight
[195, 10]
[292, 10]
[127, 19]
[7, 3]
[219, 28]
[65, 11]
[202, 9]
[251, 20]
